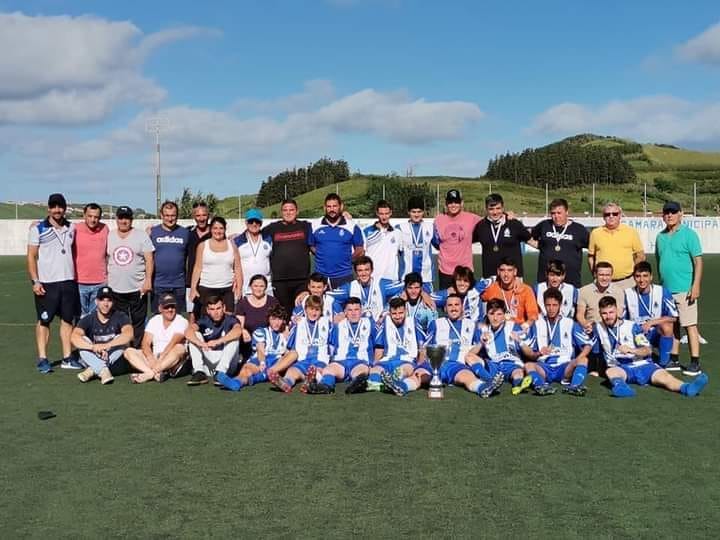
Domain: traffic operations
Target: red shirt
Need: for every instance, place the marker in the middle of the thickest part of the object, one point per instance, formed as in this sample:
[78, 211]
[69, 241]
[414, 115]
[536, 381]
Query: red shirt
[89, 253]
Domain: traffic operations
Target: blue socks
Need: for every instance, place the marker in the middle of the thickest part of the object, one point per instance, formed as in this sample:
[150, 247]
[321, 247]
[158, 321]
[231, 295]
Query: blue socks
[328, 380]
[692, 389]
[480, 372]
[621, 389]
[258, 378]
[375, 378]
[536, 379]
[516, 382]
[234, 385]
[664, 348]
[578, 376]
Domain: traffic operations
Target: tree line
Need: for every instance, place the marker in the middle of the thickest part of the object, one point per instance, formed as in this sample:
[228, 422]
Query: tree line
[297, 181]
[564, 164]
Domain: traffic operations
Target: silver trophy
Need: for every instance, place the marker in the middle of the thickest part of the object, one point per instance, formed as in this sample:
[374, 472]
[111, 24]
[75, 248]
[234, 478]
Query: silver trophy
[436, 357]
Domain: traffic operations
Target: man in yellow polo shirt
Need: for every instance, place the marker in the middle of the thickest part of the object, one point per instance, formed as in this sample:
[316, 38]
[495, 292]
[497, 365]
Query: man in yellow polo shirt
[618, 244]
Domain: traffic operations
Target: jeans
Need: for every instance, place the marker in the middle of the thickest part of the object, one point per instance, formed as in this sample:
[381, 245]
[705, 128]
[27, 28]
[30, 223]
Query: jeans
[96, 363]
[88, 292]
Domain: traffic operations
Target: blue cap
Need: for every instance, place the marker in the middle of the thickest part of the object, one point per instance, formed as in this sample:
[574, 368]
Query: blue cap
[253, 213]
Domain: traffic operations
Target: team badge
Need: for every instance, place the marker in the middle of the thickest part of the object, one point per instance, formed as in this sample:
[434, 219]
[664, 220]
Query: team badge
[122, 256]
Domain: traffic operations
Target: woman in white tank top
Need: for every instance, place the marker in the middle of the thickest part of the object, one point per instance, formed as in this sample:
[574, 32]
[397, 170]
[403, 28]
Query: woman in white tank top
[217, 270]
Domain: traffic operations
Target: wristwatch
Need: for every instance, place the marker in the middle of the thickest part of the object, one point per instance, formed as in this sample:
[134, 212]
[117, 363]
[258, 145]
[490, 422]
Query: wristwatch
[35, 282]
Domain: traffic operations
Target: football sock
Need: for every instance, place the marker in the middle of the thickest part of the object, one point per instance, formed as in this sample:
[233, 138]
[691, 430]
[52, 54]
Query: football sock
[579, 375]
[375, 378]
[411, 384]
[475, 386]
[620, 388]
[480, 372]
[328, 380]
[517, 381]
[664, 348]
[536, 378]
[258, 378]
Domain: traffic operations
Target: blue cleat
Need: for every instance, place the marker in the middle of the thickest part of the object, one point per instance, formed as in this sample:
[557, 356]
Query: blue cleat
[227, 382]
[694, 388]
[544, 389]
[393, 383]
[486, 389]
[71, 363]
[44, 366]
[622, 390]
[575, 390]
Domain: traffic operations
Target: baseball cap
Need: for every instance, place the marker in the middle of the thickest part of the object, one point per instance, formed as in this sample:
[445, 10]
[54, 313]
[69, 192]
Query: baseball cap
[453, 196]
[104, 292]
[253, 213]
[415, 203]
[57, 199]
[124, 212]
[671, 207]
[168, 299]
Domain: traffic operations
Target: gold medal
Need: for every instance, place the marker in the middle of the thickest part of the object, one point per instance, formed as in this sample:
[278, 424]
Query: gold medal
[557, 247]
[496, 249]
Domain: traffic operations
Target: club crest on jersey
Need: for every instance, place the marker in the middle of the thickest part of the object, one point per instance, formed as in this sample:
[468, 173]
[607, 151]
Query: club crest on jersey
[342, 232]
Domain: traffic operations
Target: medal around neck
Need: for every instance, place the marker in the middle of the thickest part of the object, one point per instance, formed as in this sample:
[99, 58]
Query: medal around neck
[436, 357]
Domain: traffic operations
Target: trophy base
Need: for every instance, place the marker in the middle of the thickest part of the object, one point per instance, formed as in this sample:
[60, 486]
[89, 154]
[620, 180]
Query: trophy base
[436, 393]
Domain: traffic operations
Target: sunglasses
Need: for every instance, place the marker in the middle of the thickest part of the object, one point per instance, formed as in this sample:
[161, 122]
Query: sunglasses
[611, 214]
[172, 306]
[254, 221]
[673, 212]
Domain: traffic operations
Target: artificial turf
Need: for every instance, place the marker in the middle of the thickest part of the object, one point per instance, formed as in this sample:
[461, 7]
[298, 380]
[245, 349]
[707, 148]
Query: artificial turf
[173, 461]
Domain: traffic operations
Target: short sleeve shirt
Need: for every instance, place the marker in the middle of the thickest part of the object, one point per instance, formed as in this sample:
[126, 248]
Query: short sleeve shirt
[162, 335]
[454, 235]
[334, 246]
[102, 332]
[510, 236]
[171, 249]
[255, 317]
[126, 262]
[290, 256]
[55, 258]
[210, 330]
[571, 240]
[675, 252]
[616, 247]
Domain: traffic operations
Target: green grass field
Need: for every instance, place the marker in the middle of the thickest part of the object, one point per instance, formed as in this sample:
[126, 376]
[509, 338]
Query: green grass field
[172, 461]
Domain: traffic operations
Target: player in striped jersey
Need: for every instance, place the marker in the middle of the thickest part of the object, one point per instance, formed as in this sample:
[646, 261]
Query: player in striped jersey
[498, 347]
[352, 342]
[416, 244]
[457, 334]
[652, 307]
[373, 293]
[468, 289]
[556, 279]
[269, 345]
[307, 348]
[627, 353]
[558, 349]
[316, 285]
[398, 346]
[418, 303]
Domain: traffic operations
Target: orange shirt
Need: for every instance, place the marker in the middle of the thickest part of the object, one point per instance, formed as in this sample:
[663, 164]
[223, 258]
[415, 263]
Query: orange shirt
[522, 303]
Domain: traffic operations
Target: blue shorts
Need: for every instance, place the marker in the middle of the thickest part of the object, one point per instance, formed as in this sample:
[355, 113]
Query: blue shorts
[424, 367]
[349, 365]
[303, 365]
[554, 372]
[389, 366]
[506, 368]
[270, 360]
[640, 374]
[450, 370]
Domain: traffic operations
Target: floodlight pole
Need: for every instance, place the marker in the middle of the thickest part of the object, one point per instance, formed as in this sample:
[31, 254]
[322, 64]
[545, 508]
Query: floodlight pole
[154, 126]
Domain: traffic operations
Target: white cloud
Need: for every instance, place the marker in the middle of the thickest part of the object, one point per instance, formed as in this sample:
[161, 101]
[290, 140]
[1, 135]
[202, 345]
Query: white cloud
[703, 48]
[654, 118]
[75, 70]
[315, 93]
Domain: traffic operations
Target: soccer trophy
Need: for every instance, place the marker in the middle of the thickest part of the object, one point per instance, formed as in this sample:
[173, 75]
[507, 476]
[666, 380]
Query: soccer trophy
[436, 357]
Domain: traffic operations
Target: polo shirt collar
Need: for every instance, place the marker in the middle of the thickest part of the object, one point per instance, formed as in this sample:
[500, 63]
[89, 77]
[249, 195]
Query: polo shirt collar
[342, 221]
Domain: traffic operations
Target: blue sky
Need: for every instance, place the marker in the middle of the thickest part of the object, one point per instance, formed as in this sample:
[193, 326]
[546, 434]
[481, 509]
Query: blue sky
[251, 88]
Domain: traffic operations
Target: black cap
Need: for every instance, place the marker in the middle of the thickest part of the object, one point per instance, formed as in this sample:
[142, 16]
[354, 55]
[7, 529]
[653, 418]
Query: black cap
[124, 212]
[104, 292]
[57, 199]
[167, 299]
[453, 196]
[415, 203]
[671, 207]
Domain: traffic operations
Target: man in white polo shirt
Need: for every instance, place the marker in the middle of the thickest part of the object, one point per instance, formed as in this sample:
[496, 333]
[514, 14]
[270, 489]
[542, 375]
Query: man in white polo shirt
[52, 273]
[382, 243]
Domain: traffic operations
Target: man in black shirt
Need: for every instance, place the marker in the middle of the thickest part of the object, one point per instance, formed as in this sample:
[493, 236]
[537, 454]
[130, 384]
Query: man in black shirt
[499, 236]
[290, 256]
[102, 337]
[560, 238]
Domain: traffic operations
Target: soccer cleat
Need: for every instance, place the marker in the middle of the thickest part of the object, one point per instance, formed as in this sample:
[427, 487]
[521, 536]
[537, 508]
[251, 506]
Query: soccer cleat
[86, 375]
[358, 385]
[279, 382]
[373, 386]
[673, 365]
[393, 383]
[575, 390]
[228, 382]
[566, 382]
[694, 388]
[544, 389]
[497, 381]
[216, 381]
[105, 376]
[315, 388]
[622, 390]
[310, 377]
[70, 363]
[485, 390]
[524, 385]
[197, 379]
[44, 366]
[692, 369]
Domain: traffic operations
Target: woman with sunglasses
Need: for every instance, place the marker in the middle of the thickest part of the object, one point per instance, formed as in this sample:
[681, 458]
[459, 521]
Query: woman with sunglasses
[254, 249]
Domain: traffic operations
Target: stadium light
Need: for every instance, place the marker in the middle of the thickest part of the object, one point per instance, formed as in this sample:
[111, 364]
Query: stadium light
[154, 125]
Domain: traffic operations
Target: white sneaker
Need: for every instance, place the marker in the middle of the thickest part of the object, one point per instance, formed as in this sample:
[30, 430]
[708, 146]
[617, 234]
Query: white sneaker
[86, 375]
[105, 376]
